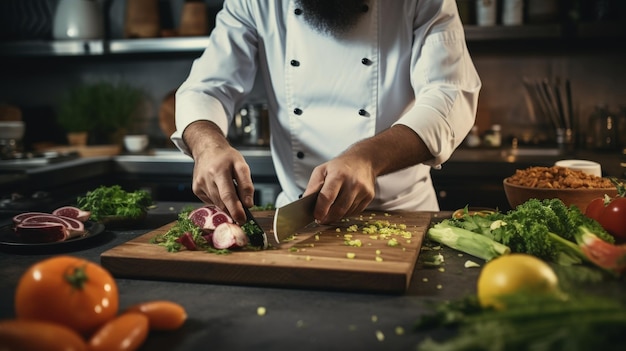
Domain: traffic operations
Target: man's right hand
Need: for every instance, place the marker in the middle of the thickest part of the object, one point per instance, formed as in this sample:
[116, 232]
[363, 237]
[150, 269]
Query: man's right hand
[217, 163]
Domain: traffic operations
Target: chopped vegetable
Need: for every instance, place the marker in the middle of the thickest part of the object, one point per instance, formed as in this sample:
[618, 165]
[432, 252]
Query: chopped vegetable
[471, 264]
[434, 260]
[184, 226]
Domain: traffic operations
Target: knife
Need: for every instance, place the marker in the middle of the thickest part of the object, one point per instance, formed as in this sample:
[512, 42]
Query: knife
[255, 232]
[294, 216]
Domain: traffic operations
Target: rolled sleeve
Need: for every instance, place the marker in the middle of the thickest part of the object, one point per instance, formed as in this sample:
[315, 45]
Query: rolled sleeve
[222, 76]
[446, 88]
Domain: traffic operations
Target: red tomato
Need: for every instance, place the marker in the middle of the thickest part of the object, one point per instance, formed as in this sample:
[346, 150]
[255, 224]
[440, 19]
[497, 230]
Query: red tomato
[611, 215]
[163, 315]
[26, 335]
[127, 332]
[67, 290]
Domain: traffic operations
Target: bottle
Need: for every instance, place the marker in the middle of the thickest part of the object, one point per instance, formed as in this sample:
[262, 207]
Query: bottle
[602, 129]
[473, 138]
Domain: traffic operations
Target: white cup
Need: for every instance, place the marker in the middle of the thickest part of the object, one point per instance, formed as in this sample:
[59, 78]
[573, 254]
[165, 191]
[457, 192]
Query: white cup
[136, 142]
[589, 167]
[486, 12]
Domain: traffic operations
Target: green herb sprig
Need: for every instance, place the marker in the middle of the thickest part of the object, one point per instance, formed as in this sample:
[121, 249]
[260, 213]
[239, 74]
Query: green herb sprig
[107, 201]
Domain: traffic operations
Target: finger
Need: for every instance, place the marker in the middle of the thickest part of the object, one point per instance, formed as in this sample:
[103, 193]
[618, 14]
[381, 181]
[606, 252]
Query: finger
[340, 207]
[228, 195]
[245, 186]
[325, 200]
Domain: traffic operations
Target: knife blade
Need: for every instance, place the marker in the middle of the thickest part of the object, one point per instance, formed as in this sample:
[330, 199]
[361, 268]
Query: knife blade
[255, 232]
[292, 217]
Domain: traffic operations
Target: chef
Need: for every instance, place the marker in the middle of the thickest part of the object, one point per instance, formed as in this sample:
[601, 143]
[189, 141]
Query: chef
[365, 97]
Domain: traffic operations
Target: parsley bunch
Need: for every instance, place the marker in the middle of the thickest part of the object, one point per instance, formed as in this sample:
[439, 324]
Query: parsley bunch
[107, 201]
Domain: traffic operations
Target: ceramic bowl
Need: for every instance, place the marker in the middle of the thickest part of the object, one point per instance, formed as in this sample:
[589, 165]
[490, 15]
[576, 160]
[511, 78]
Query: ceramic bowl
[517, 194]
[136, 143]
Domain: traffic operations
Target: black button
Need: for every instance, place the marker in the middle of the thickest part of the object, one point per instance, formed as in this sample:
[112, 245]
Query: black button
[366, 61]
[294, 63]
[297, 111]
[298, 12]
[362, 112]
[300, 155]
[365, 8]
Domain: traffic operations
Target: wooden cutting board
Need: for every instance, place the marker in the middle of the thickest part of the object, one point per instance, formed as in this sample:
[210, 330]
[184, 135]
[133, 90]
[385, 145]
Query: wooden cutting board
[316, 258]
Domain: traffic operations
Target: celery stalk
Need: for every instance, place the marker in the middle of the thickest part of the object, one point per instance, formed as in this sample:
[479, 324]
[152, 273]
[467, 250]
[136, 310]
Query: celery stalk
[467, 241]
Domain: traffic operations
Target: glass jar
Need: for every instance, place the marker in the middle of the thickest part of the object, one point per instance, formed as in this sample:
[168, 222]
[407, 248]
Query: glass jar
[602, 130]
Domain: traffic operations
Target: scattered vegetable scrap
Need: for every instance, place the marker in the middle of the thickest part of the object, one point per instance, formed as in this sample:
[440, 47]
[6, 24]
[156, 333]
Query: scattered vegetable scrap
[471, 264]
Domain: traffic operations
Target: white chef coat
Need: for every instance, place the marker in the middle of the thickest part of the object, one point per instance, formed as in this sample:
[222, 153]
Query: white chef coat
[406, 62]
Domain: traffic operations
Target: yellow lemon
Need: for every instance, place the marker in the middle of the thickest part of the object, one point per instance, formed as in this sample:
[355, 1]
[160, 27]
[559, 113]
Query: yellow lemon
[514, 273]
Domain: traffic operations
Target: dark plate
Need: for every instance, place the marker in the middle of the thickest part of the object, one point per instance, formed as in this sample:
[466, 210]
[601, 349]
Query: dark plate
[9, 239]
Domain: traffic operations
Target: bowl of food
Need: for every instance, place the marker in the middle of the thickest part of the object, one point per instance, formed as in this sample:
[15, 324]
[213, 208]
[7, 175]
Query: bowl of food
[573, 187]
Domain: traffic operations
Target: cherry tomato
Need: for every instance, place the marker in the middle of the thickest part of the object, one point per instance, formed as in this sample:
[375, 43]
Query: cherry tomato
[31, 335]
[611, 214]
[162, 315]
[127, 332]
[67, 290]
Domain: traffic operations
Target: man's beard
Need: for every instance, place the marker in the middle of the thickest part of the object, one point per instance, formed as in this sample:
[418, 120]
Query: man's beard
[332, 17]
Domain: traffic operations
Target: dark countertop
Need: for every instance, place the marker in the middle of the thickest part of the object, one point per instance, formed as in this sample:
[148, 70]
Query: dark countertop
[224, 317]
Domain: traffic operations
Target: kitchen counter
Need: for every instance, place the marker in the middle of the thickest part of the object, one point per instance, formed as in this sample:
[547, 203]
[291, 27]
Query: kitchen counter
[224, 317]
[471, 176]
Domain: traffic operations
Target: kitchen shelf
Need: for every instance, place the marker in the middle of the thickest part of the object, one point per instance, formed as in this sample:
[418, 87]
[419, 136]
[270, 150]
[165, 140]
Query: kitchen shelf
[555, 31]
[103, 47]
[156, 45]
[544, 31]
[52, 48]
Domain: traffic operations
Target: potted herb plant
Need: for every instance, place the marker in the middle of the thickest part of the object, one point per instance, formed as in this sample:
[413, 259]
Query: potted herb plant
[117, 102]
[76, 114]
[103, 110]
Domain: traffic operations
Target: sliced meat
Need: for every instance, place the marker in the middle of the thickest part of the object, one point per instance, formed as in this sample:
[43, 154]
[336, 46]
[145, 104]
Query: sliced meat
[229, 236]
[74, 226]
[41, 232]
[209, 217]
[72, 212]
[17, 219]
